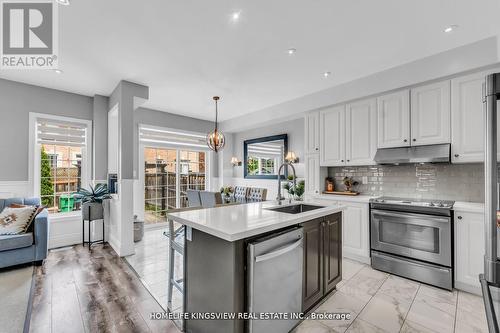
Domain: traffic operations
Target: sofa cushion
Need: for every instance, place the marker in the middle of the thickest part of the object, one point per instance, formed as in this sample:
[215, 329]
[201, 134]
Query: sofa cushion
[11, 242]
[16, 220]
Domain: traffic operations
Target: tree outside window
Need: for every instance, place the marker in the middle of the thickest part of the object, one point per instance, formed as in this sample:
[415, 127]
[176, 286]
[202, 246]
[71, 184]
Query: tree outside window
[46, 185]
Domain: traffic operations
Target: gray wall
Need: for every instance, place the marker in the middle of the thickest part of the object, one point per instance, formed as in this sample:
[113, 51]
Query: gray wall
[17, 100]
[100, 137]
[460, 182]
[294, 129]
[169, 120]
[234, 175]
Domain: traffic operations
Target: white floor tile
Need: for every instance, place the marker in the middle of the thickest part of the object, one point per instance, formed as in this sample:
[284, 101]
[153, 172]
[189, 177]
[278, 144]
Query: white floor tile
[385, 312]
[341, 303]
[399, 288]
[428, 313]
[361, 326]
[312, 326]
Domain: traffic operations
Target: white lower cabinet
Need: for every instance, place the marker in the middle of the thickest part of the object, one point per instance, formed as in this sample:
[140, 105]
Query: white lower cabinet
[469, 250]
[355, 229]
[355, 232]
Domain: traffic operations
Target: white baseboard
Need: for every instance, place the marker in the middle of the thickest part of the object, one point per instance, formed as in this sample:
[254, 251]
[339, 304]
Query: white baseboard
[355, 257]
[468, 288]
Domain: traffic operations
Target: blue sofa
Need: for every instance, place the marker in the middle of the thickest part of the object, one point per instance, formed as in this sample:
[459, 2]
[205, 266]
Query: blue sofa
[31, 246]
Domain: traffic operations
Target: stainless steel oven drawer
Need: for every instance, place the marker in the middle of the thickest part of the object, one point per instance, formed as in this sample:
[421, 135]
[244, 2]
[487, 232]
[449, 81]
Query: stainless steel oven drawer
[427, 273]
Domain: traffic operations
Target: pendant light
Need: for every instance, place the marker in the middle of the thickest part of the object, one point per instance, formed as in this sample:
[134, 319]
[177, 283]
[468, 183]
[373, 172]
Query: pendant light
[215, 139]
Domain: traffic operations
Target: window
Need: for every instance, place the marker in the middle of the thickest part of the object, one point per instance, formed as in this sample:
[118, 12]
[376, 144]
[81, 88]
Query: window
[61, 146]
[174, 162]
[160, 182]
[166, 181]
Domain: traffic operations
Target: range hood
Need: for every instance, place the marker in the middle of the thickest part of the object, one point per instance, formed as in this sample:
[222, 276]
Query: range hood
[418, 154]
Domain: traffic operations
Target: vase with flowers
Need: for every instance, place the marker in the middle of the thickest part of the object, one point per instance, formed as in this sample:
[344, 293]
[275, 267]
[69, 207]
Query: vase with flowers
[227, 192]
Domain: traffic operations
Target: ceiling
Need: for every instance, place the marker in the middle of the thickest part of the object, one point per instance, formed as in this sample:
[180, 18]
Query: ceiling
[186, 51]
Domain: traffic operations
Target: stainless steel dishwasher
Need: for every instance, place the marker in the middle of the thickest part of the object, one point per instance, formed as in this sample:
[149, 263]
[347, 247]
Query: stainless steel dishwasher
[275, 279]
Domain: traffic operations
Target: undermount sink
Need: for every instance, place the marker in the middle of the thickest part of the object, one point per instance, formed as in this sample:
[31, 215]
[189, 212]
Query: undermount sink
[295, 209]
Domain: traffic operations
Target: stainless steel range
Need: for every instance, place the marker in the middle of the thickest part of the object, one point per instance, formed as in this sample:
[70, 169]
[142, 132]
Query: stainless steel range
[413, 238]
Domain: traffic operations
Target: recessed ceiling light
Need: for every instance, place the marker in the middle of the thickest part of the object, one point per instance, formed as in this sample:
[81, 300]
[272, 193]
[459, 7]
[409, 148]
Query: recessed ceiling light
[327, 74]
[235, 16]
[450, 28]
[58, 71]
[291, 51]
[63, 2]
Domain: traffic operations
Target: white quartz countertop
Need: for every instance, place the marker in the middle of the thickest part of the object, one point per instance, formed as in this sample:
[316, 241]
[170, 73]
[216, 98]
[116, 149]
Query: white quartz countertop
[235, 222]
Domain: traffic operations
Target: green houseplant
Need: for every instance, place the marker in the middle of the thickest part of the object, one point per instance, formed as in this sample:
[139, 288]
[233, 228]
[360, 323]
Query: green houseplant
[92, 201]
[296, 191]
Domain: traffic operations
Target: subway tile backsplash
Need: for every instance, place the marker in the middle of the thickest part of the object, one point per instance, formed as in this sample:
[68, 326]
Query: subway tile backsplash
[459, 182]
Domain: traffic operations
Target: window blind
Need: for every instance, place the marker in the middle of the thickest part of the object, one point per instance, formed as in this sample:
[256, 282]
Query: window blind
[170, 137]
[61, 133]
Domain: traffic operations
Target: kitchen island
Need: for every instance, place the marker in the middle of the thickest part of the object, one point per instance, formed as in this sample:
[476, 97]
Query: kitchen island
[217, 271]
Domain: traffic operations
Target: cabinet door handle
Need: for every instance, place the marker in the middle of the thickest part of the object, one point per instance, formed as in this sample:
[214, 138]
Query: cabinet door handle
[456, 155]
[316, 191]
[405, 140]
[348, 160]
[341, 160]
[414, 140]
[459, 217]
[323, 224]
[317, 148]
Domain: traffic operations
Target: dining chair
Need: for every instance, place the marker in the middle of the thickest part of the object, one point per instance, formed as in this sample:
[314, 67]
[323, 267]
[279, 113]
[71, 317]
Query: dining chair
[240, 192]
[210, 199]
[193, 197]
[257, 194]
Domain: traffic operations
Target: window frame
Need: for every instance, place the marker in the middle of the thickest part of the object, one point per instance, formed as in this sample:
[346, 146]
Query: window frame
[178, 148]
[35, 151]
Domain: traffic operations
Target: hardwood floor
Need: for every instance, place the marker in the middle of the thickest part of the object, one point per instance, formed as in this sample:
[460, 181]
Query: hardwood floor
[81, 291]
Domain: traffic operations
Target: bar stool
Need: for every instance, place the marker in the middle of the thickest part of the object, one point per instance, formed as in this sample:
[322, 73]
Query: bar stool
[174, 246]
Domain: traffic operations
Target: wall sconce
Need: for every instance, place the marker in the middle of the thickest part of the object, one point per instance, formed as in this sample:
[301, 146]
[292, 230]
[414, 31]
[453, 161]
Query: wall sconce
[235, 162]
[291, 157]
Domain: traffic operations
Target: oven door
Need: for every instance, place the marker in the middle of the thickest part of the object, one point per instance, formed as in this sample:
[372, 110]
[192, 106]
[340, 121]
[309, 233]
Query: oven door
[417, 236]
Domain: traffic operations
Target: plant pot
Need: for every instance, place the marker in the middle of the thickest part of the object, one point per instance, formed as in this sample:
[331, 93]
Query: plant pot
[96, 211]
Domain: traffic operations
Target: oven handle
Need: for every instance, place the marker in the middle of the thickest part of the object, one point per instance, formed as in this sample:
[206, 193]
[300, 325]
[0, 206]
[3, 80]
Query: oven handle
[417, 216]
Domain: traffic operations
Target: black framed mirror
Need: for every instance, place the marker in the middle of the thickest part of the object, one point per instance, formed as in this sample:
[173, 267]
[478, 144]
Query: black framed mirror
[263, 156]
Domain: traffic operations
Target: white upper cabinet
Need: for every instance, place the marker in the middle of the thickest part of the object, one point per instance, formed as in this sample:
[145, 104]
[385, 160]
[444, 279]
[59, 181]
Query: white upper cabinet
[393, 120]
[332, 136]
[467, 118]
[312, 132]
[361, 132]
[430, 114]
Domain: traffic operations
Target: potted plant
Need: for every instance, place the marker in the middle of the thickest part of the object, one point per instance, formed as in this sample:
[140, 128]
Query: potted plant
[92, 201]
[296, 191]
[349, 183]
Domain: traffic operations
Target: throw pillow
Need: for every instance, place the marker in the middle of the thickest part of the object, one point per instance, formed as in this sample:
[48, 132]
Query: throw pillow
[15, 221]
[39, 209]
